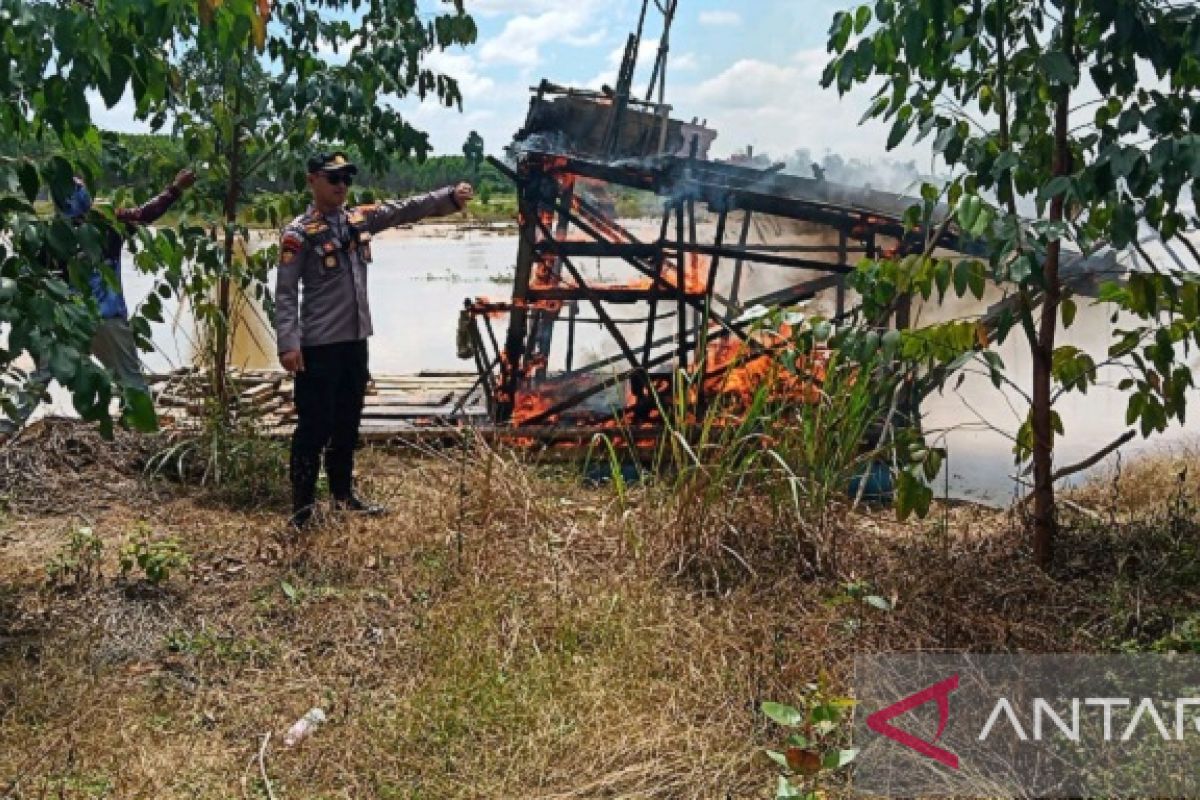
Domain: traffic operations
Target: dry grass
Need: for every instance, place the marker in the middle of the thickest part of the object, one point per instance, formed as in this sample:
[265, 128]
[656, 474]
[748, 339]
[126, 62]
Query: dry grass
[1134, 487]
[504, 633]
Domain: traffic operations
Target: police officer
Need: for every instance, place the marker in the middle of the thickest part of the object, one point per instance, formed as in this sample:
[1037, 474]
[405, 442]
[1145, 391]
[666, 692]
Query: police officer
[322, 336]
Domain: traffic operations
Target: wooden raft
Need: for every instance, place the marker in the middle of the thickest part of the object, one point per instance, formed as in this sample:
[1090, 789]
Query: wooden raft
[426, 405]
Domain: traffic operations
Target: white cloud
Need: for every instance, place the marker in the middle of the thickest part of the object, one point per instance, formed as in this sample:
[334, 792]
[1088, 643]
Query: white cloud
[520, 42]
[646, 55]
[495, 8]
[118, 118]
[720, 19]
[463, 68]
[780, 108]
[684, 62]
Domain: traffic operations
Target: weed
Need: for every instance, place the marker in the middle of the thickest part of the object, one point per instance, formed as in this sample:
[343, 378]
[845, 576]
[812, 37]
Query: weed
[240, 465]
[156, 558]
[212, 648]
[815, 748]
[776, 463]
[77, 562]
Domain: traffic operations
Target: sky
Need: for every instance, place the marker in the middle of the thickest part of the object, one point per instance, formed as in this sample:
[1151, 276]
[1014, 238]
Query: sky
[751, 68]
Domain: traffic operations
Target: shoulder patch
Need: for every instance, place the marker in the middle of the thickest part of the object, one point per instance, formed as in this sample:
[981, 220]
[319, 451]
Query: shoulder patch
[289, 245]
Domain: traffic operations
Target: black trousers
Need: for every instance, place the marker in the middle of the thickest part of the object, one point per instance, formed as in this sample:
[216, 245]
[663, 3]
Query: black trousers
[329, 401]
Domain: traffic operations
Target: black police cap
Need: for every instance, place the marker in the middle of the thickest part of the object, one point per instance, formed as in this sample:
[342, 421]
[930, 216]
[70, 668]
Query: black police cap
[331, 162]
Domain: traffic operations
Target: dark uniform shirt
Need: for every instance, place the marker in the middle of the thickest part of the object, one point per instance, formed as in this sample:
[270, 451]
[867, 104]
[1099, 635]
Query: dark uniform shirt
[328, 254]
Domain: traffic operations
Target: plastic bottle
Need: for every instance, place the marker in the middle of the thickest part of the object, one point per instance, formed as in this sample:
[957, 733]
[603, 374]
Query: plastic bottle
[303, 727]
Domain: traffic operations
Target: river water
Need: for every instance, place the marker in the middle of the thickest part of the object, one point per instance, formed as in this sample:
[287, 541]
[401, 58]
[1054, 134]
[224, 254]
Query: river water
[419, 282]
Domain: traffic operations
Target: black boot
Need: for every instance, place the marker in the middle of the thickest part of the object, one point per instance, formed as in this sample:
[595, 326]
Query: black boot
[301, 519]
[356, 505]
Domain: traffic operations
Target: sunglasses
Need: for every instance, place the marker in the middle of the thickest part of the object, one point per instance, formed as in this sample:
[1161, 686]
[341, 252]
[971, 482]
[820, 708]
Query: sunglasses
[336, 178]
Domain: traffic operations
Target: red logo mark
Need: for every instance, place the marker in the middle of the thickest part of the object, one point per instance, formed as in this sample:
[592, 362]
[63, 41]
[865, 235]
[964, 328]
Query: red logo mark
[881, 719]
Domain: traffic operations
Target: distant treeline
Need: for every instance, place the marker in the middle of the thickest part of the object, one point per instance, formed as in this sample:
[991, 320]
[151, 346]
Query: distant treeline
[144, 161]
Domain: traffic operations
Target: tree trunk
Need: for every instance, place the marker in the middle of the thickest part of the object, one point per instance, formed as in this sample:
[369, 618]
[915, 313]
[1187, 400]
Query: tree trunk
[224, 291]
[1044, 523]
[220, 379]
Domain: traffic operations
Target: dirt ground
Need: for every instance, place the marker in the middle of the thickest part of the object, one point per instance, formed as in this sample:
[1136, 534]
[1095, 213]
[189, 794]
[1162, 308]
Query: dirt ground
[506, 632]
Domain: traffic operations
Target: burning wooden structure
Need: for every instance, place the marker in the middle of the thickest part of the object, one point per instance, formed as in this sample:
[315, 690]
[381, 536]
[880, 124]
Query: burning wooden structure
[690, 285]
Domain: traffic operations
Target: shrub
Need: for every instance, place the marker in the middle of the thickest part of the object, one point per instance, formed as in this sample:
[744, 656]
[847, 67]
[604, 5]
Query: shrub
[156, 558]
[77, 562]
[235, 460]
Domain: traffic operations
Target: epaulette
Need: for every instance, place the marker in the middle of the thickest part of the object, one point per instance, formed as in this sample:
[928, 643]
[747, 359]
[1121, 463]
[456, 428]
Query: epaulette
[315, 227]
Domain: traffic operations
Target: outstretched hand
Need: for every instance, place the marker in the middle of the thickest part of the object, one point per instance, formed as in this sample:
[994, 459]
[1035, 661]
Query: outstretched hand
[463, 193]
[184, 180]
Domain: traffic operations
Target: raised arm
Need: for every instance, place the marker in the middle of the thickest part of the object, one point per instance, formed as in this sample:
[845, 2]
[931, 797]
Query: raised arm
[151, 211]
[439, 203]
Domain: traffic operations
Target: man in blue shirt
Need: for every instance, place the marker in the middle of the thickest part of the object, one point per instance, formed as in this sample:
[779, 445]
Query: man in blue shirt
[113, 342]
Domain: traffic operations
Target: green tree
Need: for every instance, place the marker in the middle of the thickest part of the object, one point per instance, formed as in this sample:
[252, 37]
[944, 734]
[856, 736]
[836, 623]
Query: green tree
[473, 150]
[204, 66]
[1041, 104]
[51, 55]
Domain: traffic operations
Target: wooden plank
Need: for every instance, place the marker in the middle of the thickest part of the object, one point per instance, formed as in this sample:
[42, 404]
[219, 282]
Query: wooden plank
[405, 412]
[410, 399]
[382, 384]
[258, 395]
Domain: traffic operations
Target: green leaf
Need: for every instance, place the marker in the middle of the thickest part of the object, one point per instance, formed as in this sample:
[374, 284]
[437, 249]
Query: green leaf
[289, 591]
[836, 759]
[982, 222]
[112, 86]
[968, 211]
[1060, 184]
[978, 280]
[1007, 160]
[1058, 68]
[875, 601]
[27, 174]
[61, 177]
[900, 129]
[962, 277]
[785, 791]
[944, 138]
[139, 411]
[1069, 309]
[1021, 268]
[783, 714]
[63, 363]
[840, 31]
[862, 18]
[1124, 226]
